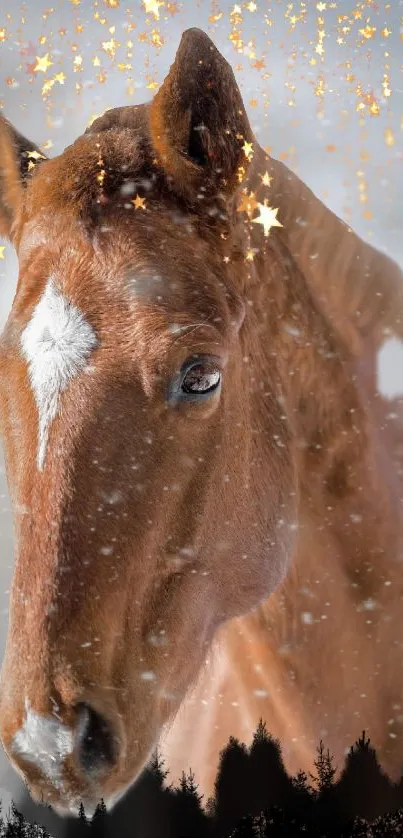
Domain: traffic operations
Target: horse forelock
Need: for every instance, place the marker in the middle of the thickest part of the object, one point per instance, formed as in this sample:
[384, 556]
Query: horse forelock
[92, 171]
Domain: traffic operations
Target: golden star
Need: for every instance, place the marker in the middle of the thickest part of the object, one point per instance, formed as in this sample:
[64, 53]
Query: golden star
[35, 155]
[139, 203]
[266, 179]
[152, 7]
[2, 249]
[267, 217]
[248, 203]
[368, 32]
[247, 149]
[259, 64]
[42, 63]
[110, 47]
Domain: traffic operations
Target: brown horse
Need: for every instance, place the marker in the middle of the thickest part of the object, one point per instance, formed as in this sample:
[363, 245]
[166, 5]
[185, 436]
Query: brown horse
[196, 450]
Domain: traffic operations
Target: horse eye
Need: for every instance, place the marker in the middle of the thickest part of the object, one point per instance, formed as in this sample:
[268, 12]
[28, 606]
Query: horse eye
[201, 377]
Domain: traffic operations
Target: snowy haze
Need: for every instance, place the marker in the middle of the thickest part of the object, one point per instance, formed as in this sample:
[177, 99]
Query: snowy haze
[342, 160]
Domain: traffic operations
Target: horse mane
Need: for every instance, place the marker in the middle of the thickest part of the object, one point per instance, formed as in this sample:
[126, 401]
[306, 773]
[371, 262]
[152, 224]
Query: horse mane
[358, 289]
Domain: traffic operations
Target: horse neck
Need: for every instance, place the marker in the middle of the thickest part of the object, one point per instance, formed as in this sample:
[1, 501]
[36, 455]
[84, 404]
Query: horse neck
[342, 595]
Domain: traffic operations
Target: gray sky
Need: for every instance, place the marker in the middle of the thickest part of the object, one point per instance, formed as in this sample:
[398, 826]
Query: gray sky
[284, 54]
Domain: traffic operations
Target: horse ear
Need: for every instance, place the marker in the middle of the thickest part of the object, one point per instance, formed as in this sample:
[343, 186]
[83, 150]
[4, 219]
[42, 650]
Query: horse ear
[18, 159]
[198, 122]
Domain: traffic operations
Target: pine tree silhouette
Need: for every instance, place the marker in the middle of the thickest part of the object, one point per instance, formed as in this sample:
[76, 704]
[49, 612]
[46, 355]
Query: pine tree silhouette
[82, 817]
[260, 735]
[300, 783]
[156, 766]
[100, 811]
[230, 789]
[99, 822]
[268, 782]
[326, 812]
[363, 788]
[302, 799]
[325, 769]
[190, 819]
[188, 786]
[15, 826]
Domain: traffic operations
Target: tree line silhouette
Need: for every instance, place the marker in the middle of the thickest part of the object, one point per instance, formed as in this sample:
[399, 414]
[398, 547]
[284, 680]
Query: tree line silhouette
[254, 797]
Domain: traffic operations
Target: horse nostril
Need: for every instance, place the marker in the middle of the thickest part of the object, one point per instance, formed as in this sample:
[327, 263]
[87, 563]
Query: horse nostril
[95, 745]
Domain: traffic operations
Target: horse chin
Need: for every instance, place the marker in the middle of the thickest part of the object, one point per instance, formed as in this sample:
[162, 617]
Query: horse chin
[73, 809]
[70, 806]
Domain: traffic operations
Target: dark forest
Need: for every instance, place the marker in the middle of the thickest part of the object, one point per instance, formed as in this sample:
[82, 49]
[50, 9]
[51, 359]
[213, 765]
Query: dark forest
[254, 797]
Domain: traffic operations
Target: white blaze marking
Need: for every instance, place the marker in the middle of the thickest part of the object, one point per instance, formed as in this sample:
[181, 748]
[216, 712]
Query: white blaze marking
[390, 368]
[56, 344]
[46, 742]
